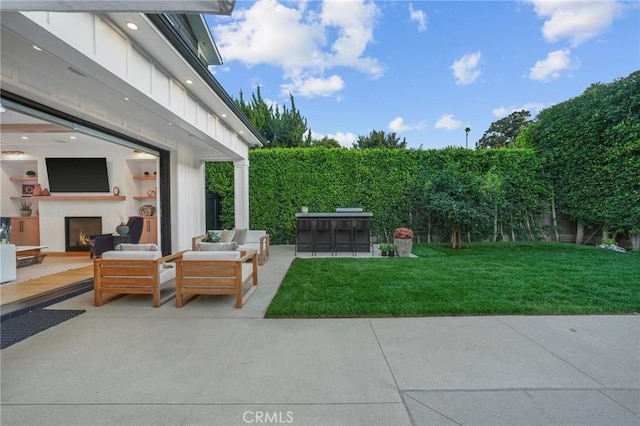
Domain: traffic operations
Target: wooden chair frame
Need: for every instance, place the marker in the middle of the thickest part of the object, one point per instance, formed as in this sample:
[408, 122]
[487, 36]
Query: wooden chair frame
[215, 277]
[124, 276]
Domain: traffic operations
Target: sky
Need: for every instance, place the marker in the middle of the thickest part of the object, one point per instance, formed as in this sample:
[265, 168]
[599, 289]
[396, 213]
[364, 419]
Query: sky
[425, 70]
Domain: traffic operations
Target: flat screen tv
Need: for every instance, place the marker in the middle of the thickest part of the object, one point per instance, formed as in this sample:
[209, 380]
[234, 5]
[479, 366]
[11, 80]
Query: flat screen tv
[77, 174]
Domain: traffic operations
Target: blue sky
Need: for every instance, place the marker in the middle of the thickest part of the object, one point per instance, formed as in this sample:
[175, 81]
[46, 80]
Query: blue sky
[422, 69]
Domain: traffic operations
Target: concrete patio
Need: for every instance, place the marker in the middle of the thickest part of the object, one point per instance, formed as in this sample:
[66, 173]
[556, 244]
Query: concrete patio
[209, 363]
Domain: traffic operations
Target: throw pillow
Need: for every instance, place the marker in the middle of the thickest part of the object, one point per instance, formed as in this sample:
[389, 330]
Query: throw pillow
[240, 236]
[216, 246]
[212, 237]
[226, 236]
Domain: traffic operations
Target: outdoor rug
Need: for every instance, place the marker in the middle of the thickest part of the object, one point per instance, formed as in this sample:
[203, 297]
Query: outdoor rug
[13, 330]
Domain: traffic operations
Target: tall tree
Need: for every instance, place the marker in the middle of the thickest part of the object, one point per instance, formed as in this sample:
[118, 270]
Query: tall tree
[281, 129]
[379, 139]
[502, 133]
[326, 142]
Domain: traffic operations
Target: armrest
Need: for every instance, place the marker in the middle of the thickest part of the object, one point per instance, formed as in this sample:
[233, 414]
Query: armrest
[169, 257]
[196, 240]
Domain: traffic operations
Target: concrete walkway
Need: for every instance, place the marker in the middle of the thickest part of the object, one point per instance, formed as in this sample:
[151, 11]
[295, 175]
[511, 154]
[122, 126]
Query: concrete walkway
[208, 363]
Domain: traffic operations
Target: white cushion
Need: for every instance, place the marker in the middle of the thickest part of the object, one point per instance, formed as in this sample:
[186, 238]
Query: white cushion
[211, 255]
[253, 237]
[131, 255]
[216, 246]
[226, 235]
[136, 247]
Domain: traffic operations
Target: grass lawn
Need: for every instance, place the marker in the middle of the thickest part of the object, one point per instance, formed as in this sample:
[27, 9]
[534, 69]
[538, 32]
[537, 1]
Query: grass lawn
[482, 279]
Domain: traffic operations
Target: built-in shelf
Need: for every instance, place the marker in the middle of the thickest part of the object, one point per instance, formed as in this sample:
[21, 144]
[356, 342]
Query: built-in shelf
[73, 198]
[144, 197]
[23, 178]
[142, 177]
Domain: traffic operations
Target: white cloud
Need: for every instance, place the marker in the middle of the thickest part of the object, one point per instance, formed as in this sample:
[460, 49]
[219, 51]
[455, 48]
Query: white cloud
[314, 86]
[551, 67]
[397, 125]
[447, 122]
[577, 21]
[532, 107]
[304, 43]
[419, 17]
[465, 69]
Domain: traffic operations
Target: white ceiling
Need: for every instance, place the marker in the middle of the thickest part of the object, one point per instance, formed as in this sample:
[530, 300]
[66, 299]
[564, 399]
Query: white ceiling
[15, 139]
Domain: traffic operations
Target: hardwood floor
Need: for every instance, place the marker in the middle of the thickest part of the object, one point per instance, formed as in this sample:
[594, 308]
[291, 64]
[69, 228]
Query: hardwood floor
[52, 275]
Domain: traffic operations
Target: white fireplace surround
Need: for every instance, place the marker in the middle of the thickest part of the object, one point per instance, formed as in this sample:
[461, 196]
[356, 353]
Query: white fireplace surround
[53, 213]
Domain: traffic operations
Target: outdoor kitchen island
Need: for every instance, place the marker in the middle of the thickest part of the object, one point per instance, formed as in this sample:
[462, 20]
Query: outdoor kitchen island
[346, 230]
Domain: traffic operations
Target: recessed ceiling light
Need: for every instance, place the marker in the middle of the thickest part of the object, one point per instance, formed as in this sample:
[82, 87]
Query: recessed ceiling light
[24, 137]
[126, 99]
[188, 81]
[241, 132]
[72, 137]
[223, 115]
[37, 48]
[132, 26]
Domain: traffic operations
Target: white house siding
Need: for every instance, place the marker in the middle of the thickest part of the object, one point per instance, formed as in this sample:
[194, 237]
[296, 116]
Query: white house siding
[161, 110]
[187, 198]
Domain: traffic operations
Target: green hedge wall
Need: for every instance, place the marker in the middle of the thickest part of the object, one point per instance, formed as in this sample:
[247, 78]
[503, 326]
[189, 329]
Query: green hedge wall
[387, 182]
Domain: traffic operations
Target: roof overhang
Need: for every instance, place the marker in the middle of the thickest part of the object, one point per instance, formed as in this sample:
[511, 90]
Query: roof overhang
[218, 7]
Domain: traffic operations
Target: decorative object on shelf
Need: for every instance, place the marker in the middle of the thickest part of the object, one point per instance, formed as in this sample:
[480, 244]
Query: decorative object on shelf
[116, 190]
[25, 209]
[37, 190]
[403, 240]
[27, 189]
[155, 173]
[151, 193]
[147, 210]
[31, 173]
[305, 209]
[45, 192]
[146, 173]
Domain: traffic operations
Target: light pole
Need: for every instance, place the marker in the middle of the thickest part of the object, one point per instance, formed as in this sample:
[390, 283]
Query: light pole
[466, 132]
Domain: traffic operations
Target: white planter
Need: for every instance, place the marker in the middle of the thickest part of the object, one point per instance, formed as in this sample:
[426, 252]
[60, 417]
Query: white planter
[403, 246]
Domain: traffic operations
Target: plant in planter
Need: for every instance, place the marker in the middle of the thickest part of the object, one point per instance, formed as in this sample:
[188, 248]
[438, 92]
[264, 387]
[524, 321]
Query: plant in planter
[25, 209]
[31, 173]
[403, 240]
[387, 249]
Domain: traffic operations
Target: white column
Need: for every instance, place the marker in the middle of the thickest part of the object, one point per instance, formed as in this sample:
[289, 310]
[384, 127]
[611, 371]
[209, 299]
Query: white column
[241, 193]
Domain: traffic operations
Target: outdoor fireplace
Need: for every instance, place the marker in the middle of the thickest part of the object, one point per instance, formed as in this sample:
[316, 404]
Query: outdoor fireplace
[77, 231]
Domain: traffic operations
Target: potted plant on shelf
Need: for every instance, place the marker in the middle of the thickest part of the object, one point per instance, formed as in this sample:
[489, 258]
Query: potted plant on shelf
[25, 209]
[403, 240]
[31, 173]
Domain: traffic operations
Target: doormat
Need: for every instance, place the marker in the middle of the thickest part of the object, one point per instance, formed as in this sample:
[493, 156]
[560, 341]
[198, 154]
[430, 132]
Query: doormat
[26, 325]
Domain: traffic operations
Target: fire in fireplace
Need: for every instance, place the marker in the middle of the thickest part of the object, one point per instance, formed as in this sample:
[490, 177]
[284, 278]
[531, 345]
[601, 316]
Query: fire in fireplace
[77, 232]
